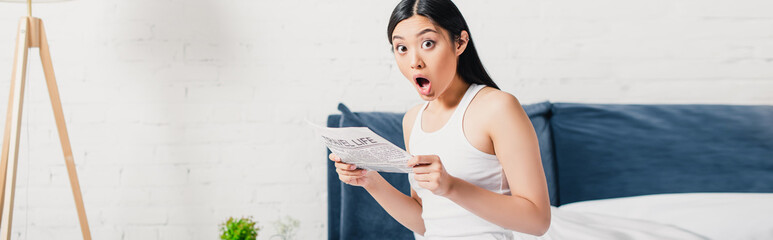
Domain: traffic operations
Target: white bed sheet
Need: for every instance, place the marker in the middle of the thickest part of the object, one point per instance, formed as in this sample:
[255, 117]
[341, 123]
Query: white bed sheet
[683, 216]
[712, 215]
[572, 225]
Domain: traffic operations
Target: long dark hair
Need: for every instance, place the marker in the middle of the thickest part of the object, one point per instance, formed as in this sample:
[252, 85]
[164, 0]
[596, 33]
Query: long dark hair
[445, 14]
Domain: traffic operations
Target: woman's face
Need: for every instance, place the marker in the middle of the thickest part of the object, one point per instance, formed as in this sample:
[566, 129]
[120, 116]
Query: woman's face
[426, 56]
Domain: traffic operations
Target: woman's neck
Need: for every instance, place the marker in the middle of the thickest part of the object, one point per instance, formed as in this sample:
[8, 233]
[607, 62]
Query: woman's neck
[452, 96]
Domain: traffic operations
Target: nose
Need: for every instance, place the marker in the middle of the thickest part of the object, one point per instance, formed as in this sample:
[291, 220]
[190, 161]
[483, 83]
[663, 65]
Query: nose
[417, 62]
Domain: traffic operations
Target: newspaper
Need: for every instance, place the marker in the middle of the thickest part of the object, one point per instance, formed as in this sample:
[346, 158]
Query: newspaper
[364, 148]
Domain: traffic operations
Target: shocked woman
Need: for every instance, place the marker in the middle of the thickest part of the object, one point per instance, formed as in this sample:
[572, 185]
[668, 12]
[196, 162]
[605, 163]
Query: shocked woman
[477, 172]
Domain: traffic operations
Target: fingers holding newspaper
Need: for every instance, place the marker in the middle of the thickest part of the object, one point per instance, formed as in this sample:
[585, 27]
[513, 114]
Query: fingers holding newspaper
[349, 174]
[431, 175]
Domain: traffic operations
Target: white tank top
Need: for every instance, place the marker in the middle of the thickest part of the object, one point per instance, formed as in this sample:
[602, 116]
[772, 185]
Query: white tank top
[444, 219]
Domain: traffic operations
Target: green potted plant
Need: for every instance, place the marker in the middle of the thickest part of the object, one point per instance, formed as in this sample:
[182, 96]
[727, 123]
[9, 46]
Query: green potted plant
[239, 229]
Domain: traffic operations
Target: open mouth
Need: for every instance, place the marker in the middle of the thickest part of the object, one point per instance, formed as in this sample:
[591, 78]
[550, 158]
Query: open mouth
[424, 85]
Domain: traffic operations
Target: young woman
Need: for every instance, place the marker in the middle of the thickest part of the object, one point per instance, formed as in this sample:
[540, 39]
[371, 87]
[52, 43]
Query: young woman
[477, 172]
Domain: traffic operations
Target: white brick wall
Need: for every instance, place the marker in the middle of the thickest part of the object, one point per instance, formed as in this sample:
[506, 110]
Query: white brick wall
[182, 113]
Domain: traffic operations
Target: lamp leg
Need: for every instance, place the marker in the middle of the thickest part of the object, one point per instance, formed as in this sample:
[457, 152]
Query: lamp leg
[56, 104]
[12, 125]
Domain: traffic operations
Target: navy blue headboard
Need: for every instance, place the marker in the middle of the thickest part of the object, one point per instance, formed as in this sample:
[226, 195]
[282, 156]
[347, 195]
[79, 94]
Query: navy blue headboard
[609, 150]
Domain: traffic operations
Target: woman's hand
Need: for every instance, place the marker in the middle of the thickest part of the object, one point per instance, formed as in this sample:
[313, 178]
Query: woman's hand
[431, 175]
[349, 174]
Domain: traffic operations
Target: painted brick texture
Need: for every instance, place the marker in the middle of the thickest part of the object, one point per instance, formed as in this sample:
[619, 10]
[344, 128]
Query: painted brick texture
[182, 113]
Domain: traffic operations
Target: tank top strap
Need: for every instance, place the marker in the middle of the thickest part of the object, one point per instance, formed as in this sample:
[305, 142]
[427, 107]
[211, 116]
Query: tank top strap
[417, 121]
[455, 121]
[456, 117]
[458, 114]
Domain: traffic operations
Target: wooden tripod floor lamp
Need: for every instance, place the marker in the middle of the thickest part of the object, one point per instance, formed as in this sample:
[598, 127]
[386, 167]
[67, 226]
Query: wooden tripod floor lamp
[31, 34]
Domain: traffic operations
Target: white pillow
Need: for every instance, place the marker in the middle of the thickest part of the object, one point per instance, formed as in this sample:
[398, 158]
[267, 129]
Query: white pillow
[714, 215]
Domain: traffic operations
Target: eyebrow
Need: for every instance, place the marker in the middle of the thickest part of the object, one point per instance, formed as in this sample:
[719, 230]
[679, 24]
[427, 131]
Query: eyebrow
[426, 30]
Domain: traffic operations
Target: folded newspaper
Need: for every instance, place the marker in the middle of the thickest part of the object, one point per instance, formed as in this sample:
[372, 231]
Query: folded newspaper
[364, 148]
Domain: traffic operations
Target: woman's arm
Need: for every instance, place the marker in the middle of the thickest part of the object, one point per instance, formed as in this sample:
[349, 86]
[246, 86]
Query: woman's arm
[527, 210]
[405, 209]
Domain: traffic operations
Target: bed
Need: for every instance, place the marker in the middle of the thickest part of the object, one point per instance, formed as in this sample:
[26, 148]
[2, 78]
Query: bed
[615, 171]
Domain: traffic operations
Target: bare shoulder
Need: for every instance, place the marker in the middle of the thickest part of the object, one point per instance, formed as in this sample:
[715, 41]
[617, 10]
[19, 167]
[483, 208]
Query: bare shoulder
[498, 110]
[494, 101]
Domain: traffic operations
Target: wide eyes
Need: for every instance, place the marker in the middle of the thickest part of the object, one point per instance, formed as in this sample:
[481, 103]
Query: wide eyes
[425, 45]
[401, 49]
